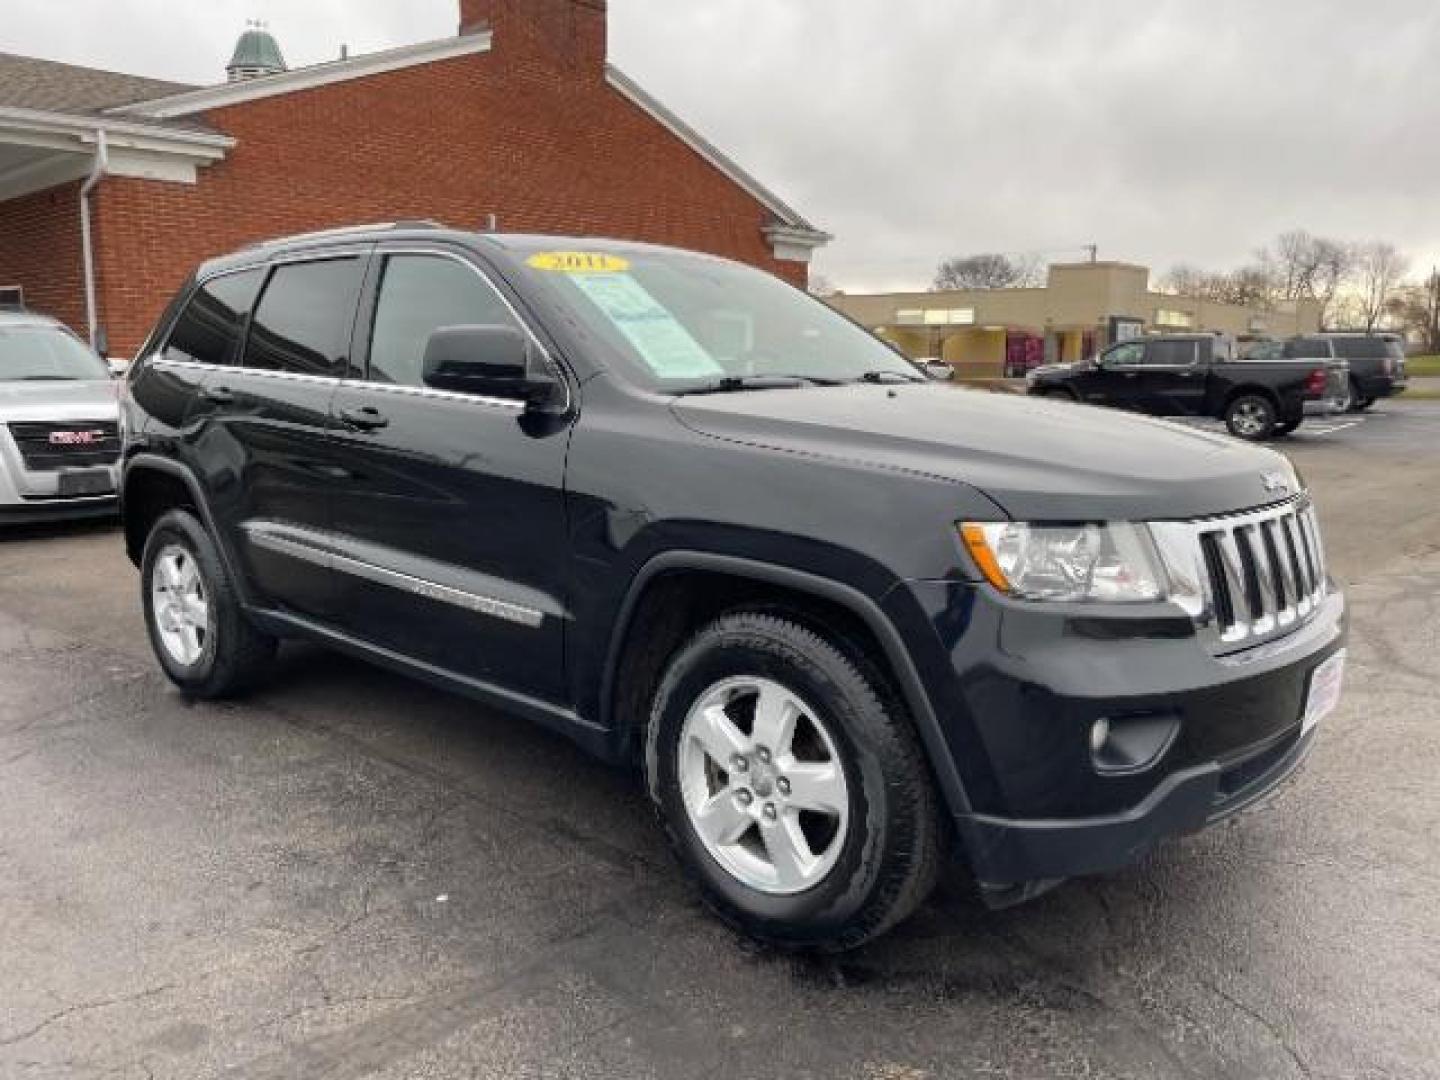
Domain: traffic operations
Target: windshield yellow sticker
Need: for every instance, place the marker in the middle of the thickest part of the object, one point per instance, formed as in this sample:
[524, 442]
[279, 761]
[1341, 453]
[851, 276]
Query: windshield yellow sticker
[579, 262]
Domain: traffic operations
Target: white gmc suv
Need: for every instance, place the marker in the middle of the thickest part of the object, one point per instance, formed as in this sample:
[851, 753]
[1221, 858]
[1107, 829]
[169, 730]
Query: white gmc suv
[59, 424]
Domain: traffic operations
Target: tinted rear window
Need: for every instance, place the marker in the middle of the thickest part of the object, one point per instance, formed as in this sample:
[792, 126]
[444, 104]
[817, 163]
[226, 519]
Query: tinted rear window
[1171, 354]
[304, 319]
[1362, 348]
[208, 330]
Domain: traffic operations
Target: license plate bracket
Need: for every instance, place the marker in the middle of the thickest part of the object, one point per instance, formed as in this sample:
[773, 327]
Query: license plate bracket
[82, 482]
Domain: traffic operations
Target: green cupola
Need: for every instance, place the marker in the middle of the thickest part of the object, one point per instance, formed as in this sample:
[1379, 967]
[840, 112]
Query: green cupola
[257, 54]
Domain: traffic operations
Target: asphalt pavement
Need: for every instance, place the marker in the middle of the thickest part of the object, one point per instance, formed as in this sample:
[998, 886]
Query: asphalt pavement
[353, 875]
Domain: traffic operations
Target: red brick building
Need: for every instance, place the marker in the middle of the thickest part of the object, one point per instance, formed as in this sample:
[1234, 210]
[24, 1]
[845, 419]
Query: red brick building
[113, 187]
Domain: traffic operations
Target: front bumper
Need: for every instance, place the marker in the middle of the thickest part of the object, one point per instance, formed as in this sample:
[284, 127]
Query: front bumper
[1020, 690]
[46, 511]
[1007, 852]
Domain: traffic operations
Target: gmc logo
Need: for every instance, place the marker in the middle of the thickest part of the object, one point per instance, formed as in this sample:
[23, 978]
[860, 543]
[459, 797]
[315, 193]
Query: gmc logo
[75, 438]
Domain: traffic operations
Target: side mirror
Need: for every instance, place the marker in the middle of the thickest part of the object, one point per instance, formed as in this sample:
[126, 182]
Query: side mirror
[940, 372]
[491, 361]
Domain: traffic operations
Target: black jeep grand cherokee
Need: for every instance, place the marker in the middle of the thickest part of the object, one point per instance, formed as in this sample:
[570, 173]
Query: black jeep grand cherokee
[847, 620]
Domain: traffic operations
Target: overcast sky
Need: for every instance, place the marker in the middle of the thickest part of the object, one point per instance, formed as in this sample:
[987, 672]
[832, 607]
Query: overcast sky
[1161, 130]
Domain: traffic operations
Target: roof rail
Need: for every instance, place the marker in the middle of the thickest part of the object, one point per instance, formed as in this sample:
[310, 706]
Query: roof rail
[344, 231]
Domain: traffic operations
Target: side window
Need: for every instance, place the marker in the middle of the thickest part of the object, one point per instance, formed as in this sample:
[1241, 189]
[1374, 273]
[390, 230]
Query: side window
[1170, 354]
[1128, 355]
[1307, 349]
[208, 330]
[418, 295]
[1361, 348]
[304, 319]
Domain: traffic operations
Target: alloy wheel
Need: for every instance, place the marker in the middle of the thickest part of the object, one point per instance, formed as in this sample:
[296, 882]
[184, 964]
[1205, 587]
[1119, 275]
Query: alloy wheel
[763, 785]
[180, 604]
[1249, 418]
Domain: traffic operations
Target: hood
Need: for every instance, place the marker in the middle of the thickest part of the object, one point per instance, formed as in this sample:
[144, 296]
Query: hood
[1051, 369]
[90, 400]
[1038, 460]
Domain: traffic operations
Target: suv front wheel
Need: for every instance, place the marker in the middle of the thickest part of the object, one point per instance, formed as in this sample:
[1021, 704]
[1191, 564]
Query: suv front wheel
[791, 785]
[201, 636]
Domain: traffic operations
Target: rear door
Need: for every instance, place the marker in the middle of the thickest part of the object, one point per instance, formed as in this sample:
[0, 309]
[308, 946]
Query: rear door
[1172, 381]
[266, 441]
[1370, 362]
[449, 524]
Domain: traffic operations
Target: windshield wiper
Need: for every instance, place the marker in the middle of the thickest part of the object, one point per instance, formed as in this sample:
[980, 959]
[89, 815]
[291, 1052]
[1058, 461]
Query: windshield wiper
[47, 378]
[887, 376]
[731, 384]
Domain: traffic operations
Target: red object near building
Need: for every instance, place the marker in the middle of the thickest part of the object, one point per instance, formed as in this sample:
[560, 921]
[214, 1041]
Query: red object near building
[518, 122]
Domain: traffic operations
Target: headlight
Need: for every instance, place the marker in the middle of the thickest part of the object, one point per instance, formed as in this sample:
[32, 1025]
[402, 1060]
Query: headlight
[1068, 562]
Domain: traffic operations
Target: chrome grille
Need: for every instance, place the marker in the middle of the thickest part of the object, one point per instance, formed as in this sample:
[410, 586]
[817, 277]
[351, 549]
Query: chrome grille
[48, 446]
[1250, 577]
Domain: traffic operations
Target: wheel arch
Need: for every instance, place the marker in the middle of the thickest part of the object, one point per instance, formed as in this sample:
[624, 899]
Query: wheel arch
[619, 716]
[1255, 390]
[151, 486]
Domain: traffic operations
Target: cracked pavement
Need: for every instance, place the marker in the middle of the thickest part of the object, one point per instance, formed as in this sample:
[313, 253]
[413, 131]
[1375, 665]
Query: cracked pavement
[353, 875]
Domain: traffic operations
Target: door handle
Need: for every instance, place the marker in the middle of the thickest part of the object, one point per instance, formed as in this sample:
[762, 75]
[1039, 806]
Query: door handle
[218, 395]
[364, 419]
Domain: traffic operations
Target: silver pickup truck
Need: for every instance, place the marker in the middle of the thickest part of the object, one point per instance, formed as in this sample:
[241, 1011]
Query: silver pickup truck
[59, 424]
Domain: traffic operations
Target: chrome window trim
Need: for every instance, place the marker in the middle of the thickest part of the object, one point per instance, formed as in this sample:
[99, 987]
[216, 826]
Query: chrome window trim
[378, 248]
[296, 376]
[490, 606]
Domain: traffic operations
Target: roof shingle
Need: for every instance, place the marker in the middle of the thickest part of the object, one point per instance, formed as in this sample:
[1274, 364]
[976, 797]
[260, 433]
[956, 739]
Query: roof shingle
[49, 86]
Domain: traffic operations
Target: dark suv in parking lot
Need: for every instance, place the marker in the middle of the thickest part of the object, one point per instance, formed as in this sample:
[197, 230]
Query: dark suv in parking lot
[1377, 362]
[847, 621]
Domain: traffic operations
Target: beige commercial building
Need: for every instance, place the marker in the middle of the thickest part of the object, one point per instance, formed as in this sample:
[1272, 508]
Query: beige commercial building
[1083, 307]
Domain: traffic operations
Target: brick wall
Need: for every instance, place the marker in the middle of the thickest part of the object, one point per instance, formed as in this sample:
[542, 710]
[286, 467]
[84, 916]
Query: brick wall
[40, 249]
[529, 132]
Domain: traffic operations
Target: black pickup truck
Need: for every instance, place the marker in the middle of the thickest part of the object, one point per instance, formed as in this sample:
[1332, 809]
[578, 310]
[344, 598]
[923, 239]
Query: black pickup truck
[1200, 375]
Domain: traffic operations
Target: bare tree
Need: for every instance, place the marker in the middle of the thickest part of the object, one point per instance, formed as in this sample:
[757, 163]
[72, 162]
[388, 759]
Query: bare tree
[1416, 308]
[1379, 270]
[822, 286]
[986, 271]
[1251, 286]
[1303, 266]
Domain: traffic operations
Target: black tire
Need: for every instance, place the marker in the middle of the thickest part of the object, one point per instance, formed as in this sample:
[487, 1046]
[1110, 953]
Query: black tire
[1251, 417]
[1058, 394]
[888, 856]
[233, 653]
[1358, 401]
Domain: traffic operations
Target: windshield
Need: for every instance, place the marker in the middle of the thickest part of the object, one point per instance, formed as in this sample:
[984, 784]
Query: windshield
[682, 322]
[46, 354]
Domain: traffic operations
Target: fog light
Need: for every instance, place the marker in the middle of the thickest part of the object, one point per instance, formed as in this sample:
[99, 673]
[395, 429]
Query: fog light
[1124, 745]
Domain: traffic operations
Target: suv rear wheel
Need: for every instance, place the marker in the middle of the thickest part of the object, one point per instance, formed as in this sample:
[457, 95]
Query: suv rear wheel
[202, 638]
[791, 785]
[1251, 416]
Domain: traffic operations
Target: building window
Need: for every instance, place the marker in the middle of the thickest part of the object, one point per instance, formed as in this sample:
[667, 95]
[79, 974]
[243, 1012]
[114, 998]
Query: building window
[1174, 320]
[935, 317]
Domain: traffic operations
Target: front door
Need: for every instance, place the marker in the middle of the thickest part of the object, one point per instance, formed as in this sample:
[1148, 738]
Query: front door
[265, 441]
[1114, 378]
[451, 543]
